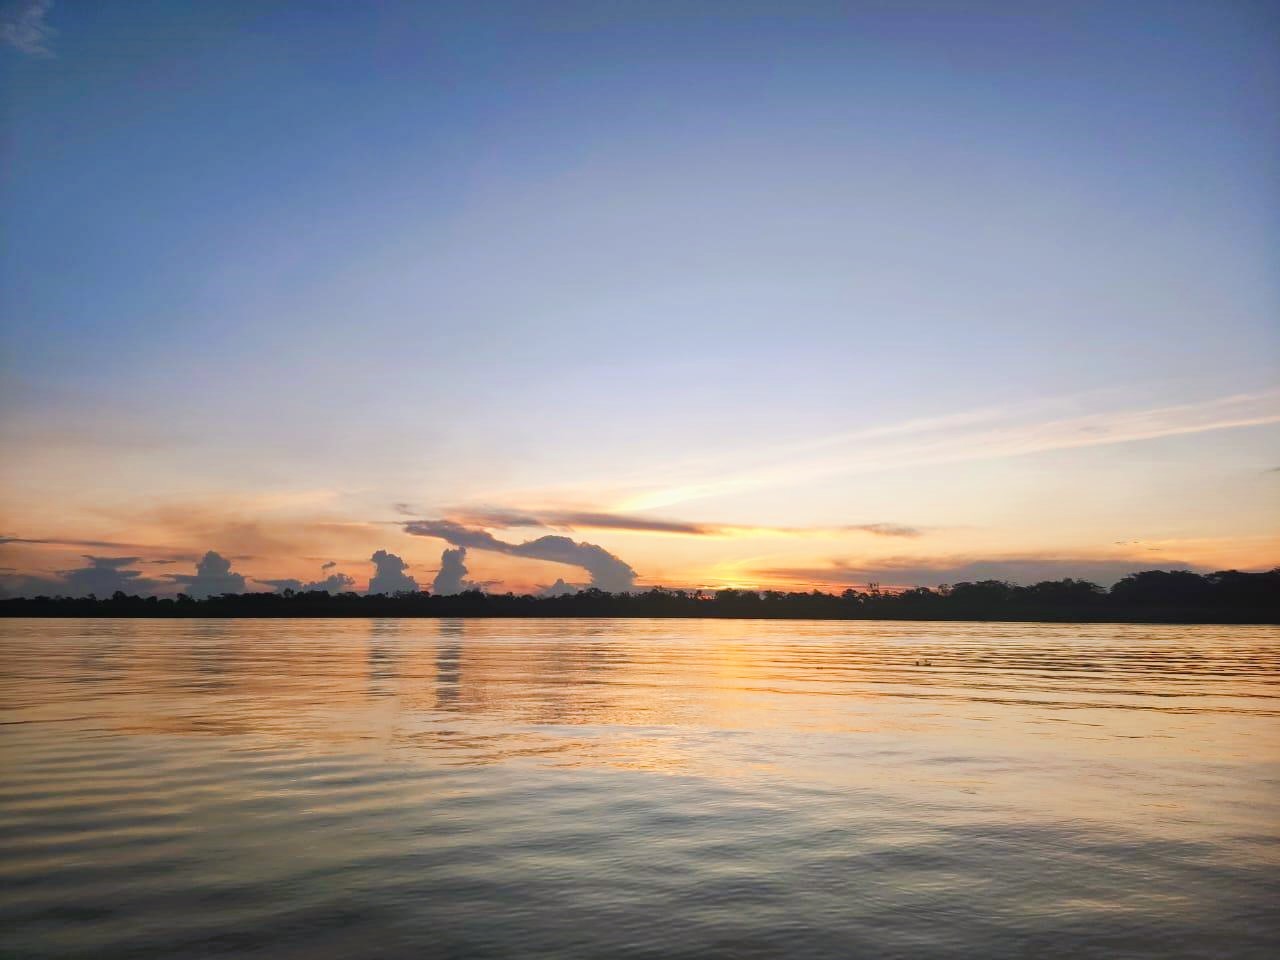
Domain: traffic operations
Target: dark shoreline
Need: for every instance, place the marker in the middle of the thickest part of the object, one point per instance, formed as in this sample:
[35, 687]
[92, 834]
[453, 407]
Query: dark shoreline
[1153, 596]
[1148, 621]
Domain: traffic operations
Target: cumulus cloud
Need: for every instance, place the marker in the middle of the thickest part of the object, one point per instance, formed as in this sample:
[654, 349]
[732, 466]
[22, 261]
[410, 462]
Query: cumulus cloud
[213, 577]
[558, 589]
[453, 571]
[24, 26]
[607, 571]
[389, 575]
[334, 583]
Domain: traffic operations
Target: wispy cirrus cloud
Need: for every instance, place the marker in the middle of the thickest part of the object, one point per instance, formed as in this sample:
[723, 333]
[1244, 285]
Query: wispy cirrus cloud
[988, 434]
[24, 26]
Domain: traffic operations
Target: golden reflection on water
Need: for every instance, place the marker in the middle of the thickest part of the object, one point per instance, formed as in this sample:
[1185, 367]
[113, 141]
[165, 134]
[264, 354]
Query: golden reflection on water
[798, 787]
[662, 695]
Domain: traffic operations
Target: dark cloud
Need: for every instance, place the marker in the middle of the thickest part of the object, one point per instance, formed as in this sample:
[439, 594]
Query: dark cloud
[456, 534]
[103, 576]
[607, 571]
[328, 564]
[213, 577]
[30, 585]
[453, 571]
[111, 563]
[389, 575]
[930, 572]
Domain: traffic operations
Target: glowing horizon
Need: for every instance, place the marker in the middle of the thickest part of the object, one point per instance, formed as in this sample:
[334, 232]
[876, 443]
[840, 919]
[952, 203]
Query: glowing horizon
[906, 306]
[307, 546]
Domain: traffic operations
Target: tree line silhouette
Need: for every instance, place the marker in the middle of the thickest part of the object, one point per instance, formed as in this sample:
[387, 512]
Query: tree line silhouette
[1151, 596]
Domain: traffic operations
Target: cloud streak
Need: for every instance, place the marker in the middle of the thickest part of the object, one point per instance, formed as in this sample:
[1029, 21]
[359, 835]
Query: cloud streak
[962, 437]
[88, 544]
[598, 520]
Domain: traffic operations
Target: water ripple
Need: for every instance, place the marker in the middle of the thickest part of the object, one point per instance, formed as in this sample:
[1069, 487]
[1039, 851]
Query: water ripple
[638, 789]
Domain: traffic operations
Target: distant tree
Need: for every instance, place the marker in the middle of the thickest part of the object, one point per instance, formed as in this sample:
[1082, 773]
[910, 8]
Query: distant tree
[1227, 596]
[1169, 588]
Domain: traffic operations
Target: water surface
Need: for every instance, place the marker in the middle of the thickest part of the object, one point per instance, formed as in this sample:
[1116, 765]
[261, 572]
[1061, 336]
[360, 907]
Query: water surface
[628, 788]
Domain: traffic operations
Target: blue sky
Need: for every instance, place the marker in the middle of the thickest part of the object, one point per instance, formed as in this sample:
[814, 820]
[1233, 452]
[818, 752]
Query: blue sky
[343, 256]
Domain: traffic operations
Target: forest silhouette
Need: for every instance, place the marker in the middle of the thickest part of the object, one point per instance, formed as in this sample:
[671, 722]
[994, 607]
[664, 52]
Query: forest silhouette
[1151, 596]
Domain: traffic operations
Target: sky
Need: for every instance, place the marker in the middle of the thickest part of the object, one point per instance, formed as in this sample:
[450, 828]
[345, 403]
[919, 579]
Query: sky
[783, 295]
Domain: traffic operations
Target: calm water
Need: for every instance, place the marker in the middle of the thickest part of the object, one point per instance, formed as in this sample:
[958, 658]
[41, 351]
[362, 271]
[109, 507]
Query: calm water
[638, 789]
